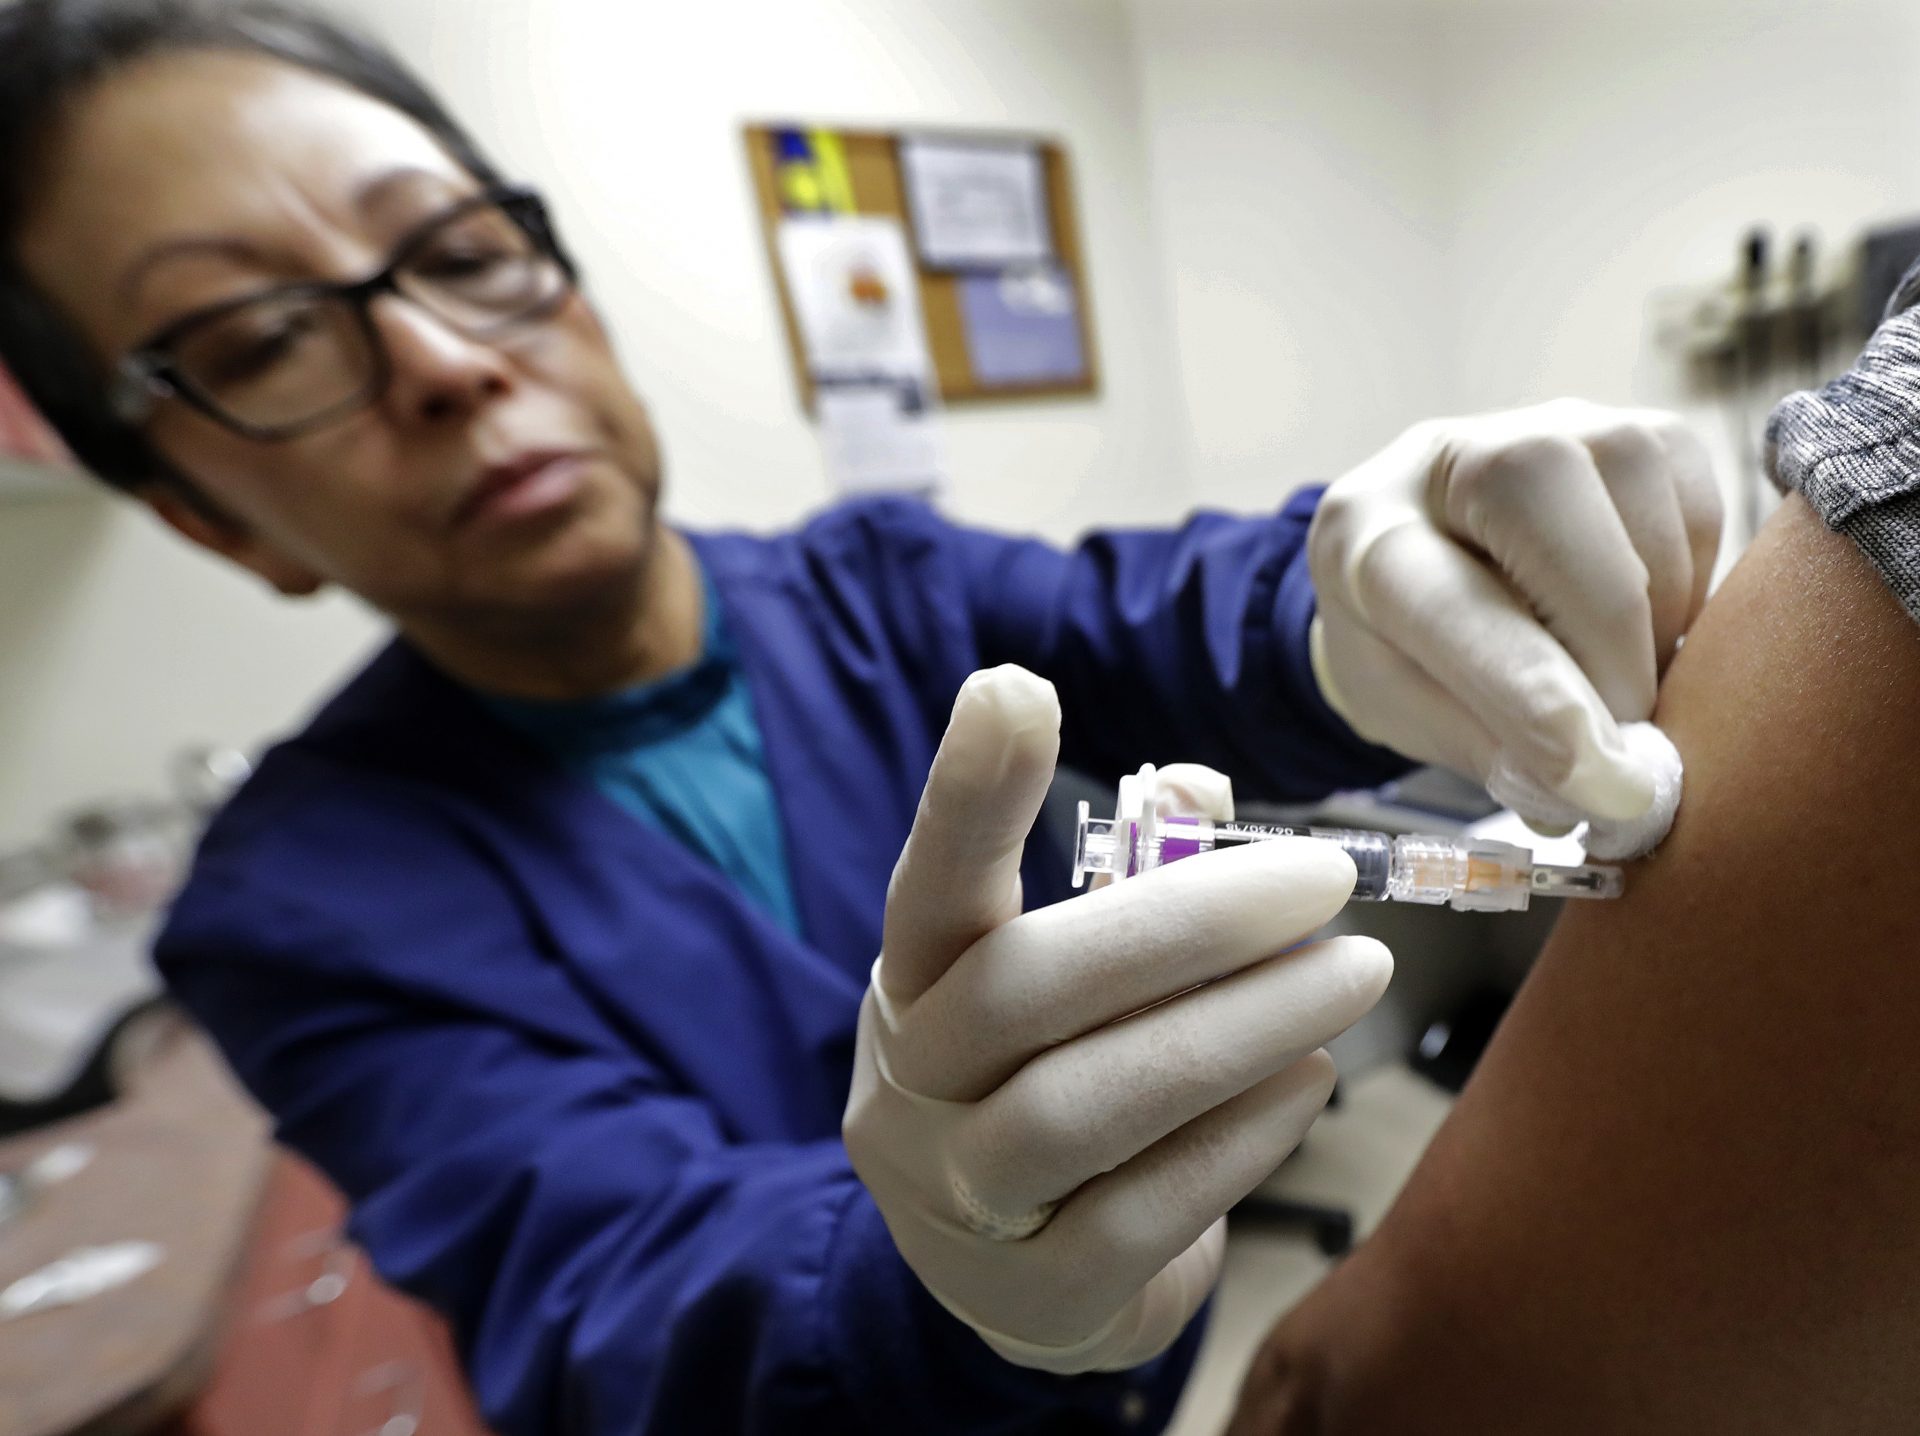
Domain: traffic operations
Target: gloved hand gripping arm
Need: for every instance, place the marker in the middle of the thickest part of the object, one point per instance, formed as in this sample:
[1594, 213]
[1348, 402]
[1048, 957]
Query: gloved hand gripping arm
[1500, 594]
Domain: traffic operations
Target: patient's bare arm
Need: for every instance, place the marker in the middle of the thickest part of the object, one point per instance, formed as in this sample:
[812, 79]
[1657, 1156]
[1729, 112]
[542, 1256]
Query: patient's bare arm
[1682, 1193]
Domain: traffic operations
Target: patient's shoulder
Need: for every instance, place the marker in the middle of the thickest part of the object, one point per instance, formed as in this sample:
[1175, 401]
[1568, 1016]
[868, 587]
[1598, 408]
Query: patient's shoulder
[1677, 1194]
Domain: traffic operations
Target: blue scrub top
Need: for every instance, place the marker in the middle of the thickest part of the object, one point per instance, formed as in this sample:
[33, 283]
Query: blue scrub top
[582, 1091]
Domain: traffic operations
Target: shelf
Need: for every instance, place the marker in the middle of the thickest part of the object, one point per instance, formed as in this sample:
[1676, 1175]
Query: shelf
[29, 479]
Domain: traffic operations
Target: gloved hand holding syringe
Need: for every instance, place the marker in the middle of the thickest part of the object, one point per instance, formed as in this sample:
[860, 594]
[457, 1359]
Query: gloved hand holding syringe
[1469, 874]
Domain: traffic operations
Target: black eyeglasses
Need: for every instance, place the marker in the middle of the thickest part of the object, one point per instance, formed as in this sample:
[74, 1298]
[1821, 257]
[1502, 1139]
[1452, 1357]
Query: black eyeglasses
[282, 363]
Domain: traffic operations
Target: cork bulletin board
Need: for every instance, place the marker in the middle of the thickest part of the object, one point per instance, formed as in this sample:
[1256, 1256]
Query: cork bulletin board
[866, 176]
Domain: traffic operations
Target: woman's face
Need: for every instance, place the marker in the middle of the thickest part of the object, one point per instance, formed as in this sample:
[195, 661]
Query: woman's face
[491, 482]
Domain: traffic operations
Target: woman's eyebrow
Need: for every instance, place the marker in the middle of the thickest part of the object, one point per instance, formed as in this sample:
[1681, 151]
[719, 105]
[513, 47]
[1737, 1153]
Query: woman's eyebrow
[220, 246]
[402, 181]
[379, 189]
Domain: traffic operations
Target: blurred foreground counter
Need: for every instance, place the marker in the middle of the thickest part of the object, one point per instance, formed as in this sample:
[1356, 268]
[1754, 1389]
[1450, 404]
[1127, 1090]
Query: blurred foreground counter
[237, 1304]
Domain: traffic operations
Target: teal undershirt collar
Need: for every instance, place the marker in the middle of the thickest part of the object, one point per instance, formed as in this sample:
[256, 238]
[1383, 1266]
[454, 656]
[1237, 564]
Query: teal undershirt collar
[683, 754]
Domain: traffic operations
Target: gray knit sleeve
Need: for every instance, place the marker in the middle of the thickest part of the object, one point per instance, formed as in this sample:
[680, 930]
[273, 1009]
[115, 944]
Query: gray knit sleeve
[1853, 447]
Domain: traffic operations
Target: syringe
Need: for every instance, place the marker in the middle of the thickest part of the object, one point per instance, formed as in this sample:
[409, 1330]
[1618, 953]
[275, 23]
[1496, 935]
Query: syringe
[1470, 874]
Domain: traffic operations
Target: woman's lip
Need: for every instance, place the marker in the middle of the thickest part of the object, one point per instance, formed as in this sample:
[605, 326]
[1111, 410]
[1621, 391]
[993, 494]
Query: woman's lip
[523, 488]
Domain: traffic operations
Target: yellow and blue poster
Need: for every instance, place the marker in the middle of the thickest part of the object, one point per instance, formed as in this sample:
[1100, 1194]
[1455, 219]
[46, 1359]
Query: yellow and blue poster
[810, 171]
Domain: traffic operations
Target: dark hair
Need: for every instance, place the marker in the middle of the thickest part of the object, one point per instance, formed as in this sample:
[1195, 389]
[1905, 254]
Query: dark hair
[51, 51]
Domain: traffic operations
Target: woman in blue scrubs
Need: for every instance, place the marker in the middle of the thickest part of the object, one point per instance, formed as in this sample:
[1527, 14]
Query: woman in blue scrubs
[547, 937]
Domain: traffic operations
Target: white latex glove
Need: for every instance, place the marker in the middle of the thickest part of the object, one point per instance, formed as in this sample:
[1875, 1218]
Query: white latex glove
[1498, 594]
[1053, 1110]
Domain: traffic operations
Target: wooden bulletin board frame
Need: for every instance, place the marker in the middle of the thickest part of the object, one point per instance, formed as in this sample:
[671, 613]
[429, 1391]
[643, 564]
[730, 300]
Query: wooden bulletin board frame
[873, 164]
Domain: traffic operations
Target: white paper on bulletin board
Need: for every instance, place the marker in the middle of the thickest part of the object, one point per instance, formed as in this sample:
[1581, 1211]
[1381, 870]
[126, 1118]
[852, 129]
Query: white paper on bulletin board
[880, 436]
[977, 204]
[856, 296]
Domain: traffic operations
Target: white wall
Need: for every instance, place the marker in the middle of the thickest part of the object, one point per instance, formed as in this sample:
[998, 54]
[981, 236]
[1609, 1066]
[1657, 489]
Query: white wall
[117, 645]
[1303, 220]
[1600, 156]
[1385, 208]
